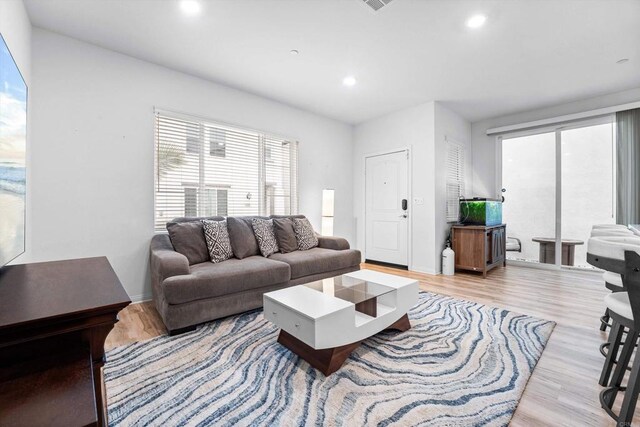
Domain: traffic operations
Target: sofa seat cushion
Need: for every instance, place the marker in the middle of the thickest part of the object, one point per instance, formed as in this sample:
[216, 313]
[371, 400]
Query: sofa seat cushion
[317, 260]
[209, 280]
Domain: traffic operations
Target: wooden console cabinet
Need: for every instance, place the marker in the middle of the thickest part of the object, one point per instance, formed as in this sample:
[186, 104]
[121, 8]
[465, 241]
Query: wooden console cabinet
[479, 248]
[54, 318]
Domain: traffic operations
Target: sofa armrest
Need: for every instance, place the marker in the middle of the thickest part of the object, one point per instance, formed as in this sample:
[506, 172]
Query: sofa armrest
[335, 243]
[165, 261]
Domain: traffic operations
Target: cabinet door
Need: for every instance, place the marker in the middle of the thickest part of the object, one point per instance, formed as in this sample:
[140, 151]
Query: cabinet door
[469, 246]
[497, 244]
[493, 237]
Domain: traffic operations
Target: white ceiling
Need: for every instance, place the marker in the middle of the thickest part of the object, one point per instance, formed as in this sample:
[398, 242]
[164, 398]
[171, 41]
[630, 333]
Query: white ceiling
[530, 54]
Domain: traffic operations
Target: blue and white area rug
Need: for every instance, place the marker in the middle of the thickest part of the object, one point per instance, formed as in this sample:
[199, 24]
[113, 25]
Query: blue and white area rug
[462, 364]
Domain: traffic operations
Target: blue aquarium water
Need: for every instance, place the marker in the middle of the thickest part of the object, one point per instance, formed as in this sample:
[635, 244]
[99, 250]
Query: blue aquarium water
[480, 212]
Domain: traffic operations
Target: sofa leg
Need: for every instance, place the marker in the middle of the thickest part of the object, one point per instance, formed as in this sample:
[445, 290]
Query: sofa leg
[174, 332]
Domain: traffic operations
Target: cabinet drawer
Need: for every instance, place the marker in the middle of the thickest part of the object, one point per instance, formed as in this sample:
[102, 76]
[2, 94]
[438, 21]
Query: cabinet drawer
[291, 321]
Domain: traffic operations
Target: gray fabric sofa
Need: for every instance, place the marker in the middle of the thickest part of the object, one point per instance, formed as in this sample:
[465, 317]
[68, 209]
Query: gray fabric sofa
[188, 290]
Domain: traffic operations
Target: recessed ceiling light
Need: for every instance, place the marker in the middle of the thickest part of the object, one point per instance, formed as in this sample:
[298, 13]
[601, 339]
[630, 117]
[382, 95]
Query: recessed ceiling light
[476, 21]
[190, 7]
[294, 51]
[622, 61]
[349, 81]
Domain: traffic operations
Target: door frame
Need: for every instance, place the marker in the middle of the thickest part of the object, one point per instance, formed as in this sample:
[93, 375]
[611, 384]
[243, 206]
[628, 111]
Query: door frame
[406, 149]
[557, 130]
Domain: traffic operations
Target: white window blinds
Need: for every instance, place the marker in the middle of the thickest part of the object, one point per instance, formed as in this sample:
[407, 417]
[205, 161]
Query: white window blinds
[206, 169]
[455, 180]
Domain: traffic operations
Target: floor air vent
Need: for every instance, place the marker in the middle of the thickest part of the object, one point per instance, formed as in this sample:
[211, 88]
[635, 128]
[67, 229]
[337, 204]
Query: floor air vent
[377, 4]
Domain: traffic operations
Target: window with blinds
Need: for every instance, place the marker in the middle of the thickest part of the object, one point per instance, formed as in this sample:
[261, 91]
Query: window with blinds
[455, 180]
[205, 168]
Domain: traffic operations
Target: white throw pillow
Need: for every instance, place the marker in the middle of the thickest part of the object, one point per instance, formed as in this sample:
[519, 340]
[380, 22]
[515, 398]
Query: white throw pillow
[304, 234]
[265, 235]
[218, 243]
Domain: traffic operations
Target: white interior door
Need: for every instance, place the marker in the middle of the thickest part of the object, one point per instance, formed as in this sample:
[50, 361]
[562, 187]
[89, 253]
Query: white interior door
[386, 221]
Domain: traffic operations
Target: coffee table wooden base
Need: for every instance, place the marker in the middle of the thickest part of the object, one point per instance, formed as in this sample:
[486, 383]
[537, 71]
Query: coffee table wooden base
[329, 360]
[402, 324]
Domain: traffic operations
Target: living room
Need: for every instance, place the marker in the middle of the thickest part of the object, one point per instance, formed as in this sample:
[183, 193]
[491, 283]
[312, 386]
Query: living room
[207, 179]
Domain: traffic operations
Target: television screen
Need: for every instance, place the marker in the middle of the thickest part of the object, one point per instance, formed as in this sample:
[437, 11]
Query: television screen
[13, 141]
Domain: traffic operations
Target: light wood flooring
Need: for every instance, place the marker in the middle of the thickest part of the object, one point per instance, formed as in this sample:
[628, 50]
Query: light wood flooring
[563, 390]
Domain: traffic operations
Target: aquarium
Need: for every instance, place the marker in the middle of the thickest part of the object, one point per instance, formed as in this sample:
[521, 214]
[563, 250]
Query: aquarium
[480, 212]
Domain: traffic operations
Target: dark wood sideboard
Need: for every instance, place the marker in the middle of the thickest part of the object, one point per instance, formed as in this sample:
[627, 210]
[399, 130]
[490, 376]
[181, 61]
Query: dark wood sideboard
[54, 319]
[479, 248]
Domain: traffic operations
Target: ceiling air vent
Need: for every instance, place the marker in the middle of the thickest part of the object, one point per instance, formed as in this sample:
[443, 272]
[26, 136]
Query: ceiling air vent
[376, 4]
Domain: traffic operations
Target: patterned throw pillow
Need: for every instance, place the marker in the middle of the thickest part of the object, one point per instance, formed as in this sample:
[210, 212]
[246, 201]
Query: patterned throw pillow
[218, 243]
[263, 229]
[304, 234]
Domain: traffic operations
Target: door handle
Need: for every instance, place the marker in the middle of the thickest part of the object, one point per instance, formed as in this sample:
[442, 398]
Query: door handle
[404, 205]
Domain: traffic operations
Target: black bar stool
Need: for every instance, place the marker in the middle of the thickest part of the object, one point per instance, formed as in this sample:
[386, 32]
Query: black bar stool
[612, 280]
[607, 253]
[624, 309]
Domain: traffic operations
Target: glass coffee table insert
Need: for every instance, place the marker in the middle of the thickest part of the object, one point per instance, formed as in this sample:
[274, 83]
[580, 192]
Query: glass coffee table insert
[362, 293]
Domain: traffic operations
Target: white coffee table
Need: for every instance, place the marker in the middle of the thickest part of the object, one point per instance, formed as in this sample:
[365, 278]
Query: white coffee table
[324, 321]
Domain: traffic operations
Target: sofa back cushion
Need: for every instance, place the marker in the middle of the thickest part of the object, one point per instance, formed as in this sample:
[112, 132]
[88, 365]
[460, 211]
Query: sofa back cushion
[243, 241]
[286, 216]
[187, 238]
[195, 219]
[286, 237]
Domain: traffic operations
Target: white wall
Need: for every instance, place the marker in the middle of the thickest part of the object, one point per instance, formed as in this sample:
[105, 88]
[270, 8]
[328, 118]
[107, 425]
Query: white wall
[15, 28]
[484, 148]
[424, 129]
[16, 31]
[449, 126]
[413, 128]
[92, 151]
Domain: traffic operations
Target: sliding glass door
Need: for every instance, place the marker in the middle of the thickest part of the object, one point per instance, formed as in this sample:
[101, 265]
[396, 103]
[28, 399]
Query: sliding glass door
[529, 191]
[556, 184]
[587, 186]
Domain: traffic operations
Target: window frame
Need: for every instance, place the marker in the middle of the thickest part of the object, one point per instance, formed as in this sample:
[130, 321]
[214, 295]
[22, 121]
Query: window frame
[204, 127]
[452, 206]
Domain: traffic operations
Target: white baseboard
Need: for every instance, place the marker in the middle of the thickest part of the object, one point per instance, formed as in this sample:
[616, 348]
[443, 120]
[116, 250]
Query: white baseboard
[543, 266]
[424, 270]
[135, 299]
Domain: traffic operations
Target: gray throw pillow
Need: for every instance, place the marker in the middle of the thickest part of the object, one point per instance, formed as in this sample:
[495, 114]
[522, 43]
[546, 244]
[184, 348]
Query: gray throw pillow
[243, 241]
[188, 239]
[218, 243]
[286, 237]
[304, 234]
[263, 229]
